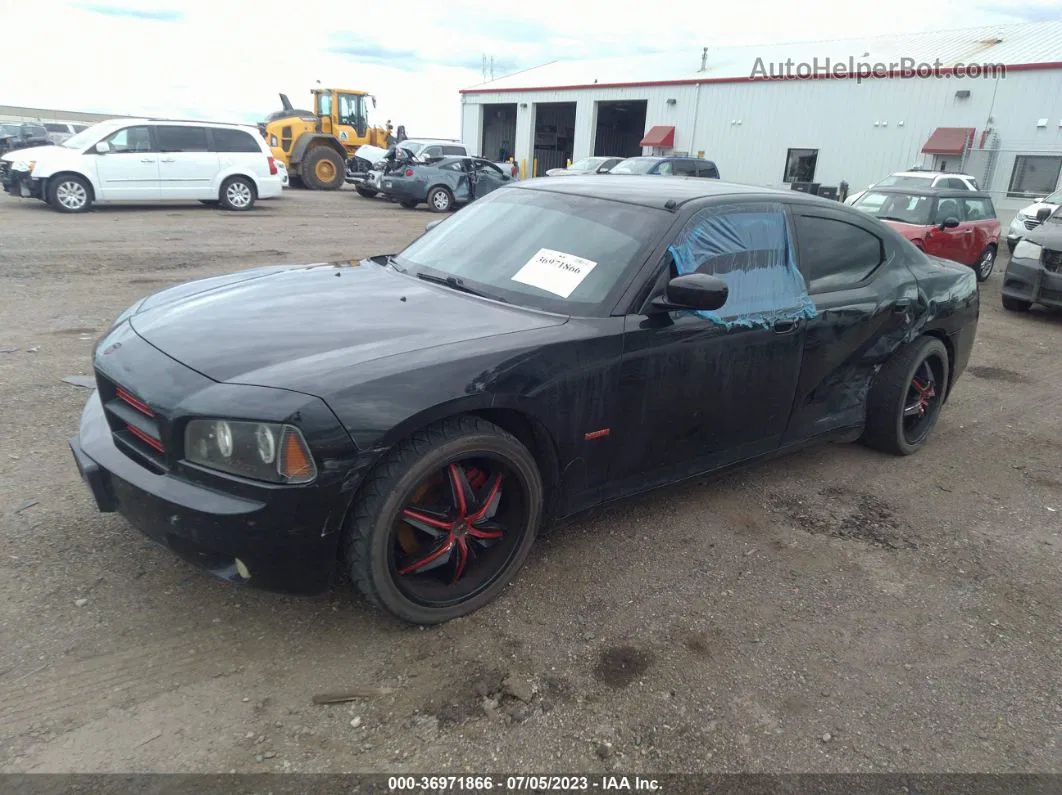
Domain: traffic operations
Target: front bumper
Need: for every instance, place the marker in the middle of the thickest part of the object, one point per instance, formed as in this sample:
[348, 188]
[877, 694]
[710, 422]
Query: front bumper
[20, 183]
[286, 537]
[1029, 280]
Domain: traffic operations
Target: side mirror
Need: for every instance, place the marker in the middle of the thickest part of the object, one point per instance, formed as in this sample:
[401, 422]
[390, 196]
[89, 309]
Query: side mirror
[102, 148]
[432, 224]
[693, 291]
[949, 223]
[1043, 213]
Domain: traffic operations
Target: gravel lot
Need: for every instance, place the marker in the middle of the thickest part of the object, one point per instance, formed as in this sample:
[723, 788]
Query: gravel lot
[835, 610]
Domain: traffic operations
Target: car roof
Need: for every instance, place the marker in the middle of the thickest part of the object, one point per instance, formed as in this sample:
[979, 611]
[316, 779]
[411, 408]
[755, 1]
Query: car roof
[947, 193]
[181, 123]
[655, 192]
[667, 157]
[930, 174]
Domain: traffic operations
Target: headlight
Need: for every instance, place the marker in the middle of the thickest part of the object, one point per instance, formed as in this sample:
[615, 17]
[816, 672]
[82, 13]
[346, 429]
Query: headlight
[1027, 250]
[267, 451]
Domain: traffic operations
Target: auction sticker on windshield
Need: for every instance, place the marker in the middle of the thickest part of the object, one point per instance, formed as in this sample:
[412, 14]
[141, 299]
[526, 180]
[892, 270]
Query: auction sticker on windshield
[554, 272]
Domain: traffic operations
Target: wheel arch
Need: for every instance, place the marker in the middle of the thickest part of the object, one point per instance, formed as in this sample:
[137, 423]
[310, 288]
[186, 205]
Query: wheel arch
[69, 172]
[307, 141]
[225, 176]
[949, 346]
[510, 416]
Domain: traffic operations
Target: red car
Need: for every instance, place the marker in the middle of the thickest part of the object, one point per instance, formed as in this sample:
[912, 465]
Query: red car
[959, 225]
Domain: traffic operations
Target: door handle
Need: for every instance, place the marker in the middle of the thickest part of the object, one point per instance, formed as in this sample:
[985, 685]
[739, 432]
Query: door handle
[967, 231]
[148, 160]
[169, 160]
[784, 326]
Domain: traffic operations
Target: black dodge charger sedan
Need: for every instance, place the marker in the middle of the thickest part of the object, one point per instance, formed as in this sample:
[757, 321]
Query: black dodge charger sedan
[416, 417]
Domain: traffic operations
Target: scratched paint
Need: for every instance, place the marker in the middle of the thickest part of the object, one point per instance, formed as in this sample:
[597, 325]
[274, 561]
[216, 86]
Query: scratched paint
[749, 247]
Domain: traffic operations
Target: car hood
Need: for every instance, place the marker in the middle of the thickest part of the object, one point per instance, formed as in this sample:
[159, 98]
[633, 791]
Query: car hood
[273, 326]
[39, 152]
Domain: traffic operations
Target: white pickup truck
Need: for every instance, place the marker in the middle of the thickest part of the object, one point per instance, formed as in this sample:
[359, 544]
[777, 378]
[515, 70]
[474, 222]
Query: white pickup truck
[421, 149]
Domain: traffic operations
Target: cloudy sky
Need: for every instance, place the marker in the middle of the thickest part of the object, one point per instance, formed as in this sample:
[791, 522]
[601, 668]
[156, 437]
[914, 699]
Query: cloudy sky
[228, 60]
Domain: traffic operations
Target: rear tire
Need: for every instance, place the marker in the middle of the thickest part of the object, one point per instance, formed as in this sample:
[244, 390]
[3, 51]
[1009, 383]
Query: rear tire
[906, 396]
[440, 200]
[237, 194]
[1016, 304]
[323, 169]
[985, 263]
[69, 193]
[391, 559]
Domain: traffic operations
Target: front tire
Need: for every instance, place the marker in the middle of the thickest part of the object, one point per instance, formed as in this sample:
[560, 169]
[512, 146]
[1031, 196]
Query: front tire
[985, 263]
[368, 193]
[409, 204]
[1016, 304]
[237, 194]
[445, 522]
[440, 200]
[323, 169]
[69, 193]
[906, 396]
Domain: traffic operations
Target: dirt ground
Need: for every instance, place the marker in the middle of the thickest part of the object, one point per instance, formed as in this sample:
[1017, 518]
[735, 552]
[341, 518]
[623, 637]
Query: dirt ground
[835, 610]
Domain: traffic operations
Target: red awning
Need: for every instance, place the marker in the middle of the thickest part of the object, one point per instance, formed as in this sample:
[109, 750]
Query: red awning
[949, 141]
[659, 137]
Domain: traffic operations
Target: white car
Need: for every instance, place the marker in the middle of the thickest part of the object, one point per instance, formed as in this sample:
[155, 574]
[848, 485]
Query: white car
[921, 179]
[1026, 220]
[148, 160]
[283, 172]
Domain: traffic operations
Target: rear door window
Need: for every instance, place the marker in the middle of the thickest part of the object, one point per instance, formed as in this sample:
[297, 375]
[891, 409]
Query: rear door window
[182, 139]
[685, 168]
[453, 150]
[56, 128]
[835, 254]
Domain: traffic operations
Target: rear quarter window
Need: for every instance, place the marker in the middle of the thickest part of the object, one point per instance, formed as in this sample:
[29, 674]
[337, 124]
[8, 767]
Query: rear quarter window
[56, 128]
[235, 141]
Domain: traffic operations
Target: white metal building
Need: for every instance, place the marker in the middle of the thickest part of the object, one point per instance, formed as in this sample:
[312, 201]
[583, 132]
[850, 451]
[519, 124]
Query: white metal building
[991, 106]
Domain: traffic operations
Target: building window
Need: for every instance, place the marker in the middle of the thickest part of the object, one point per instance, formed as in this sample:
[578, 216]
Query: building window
[800, 165]
[1034, 176]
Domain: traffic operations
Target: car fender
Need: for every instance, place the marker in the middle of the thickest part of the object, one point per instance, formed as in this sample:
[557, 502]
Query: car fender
[80, 165]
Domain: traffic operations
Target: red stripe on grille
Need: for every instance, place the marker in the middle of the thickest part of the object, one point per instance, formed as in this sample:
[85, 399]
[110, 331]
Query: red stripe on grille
[136, 403]
[147, 439]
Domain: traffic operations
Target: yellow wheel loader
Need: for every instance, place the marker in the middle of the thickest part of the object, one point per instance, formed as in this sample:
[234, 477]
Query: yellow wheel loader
[315, 145]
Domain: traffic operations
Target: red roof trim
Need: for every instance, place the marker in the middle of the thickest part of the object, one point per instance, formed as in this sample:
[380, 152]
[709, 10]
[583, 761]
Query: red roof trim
[659, 137]
[1020, 67]
[949, 141]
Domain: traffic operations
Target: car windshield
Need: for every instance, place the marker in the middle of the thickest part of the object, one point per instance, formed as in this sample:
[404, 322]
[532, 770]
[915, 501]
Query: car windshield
[901, 207]
[634, 165]
[557, 252]
[586, 164]
[906, 181]
[411, 147]
[89, 136]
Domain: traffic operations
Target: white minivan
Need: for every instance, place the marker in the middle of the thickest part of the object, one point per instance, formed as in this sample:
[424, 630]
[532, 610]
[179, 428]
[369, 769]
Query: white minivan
[142, 160]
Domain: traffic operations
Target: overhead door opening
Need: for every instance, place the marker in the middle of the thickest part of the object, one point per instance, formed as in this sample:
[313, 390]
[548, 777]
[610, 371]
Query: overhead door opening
[554, 134]
[620, 127]
[499, 131]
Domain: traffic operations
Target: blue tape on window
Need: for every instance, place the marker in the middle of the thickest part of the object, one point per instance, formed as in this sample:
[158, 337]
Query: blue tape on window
[750, 248]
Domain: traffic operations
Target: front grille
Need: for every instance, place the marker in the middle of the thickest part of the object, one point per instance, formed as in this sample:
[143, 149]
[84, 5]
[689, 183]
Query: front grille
[1052, 260]
[1030, 223]
[134, 425]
